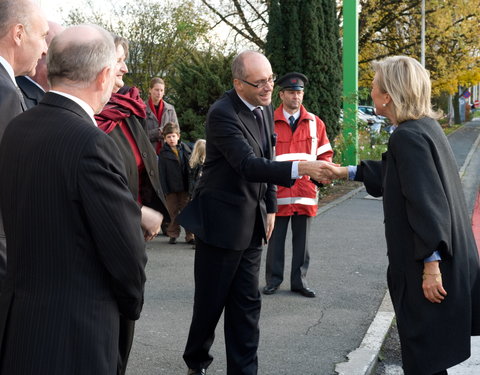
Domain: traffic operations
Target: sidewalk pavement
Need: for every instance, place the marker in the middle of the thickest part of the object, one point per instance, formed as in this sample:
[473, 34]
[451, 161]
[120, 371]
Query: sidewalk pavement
[362, 361]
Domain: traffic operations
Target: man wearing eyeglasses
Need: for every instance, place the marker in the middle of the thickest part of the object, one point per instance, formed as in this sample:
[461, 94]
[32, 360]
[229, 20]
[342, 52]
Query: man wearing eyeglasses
[233, 213]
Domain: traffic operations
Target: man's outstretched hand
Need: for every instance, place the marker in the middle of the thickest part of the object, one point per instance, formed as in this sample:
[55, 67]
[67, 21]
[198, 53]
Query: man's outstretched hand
[322, 171]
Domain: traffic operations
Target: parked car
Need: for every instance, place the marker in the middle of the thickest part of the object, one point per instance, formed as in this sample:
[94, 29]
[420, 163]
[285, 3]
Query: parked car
[372, 121]
[381, 121]
[368, 110]
[367, 119]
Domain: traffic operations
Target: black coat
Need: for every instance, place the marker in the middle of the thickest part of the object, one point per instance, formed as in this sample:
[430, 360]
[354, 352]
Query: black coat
[238, 178]
[32, 94]
[76, 252]
[425, 210]
[174, 172]
[10, 106]
[151, 192]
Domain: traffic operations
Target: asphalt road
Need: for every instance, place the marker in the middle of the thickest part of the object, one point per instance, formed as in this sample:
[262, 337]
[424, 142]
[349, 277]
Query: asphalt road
[298, 335]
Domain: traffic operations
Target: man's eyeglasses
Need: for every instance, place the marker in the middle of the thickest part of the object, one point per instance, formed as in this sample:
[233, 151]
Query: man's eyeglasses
[261, 84]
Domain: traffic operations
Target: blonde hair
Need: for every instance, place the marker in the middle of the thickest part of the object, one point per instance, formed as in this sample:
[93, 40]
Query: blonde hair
[198, 153]
[408, 84]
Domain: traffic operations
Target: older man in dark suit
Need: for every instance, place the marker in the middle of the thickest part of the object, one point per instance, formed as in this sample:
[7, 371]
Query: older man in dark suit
[23, 29]
[75, 245]
[232, 213]
[33, 87]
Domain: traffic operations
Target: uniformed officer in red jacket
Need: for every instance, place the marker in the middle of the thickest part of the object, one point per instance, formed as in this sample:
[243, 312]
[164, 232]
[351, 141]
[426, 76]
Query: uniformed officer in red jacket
[300, 136]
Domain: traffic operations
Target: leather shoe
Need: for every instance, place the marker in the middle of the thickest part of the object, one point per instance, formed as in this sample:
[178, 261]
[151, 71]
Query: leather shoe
[306, 292]
[200, 371]
[270, 289]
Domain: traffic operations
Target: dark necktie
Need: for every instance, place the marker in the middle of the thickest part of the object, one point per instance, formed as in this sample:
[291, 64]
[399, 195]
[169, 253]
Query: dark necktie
[261, 126]
[292, 122]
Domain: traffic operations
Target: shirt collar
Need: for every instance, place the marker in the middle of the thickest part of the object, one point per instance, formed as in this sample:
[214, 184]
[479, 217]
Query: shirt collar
[287, 115]
[80, 102]
[250, 107]
[9, 69]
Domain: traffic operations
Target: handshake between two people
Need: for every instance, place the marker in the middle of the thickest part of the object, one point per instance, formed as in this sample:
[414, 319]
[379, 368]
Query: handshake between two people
[322, 171]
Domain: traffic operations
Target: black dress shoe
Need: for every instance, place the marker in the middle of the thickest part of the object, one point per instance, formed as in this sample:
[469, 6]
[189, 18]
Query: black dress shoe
[201, 371]
[306, 292]
[270, 289]
[172, 241]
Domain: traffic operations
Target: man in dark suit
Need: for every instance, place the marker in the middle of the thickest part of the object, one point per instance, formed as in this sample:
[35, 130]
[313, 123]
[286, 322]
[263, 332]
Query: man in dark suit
[32, 92]
[232, 213]
[23, 28]
[34, 87]
[75, 245]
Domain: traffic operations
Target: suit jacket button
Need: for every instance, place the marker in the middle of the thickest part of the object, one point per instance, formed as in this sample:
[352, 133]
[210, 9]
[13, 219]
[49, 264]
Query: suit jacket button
[144, 154]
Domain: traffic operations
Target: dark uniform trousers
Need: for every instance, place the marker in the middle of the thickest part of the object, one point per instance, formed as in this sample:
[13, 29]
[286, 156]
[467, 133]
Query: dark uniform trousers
[275, 262]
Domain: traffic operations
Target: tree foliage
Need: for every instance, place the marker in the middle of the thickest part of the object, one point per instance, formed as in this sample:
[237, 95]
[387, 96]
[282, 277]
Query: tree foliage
[389, 27]
[248, 19]
[303, 37]
[160, 34]
[386, 27]
[200, 80]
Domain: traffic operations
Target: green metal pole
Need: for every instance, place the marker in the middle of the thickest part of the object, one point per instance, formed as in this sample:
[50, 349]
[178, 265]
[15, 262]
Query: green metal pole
[350, 81]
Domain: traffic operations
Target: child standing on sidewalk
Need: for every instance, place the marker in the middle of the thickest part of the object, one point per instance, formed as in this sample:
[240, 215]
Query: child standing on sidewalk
[173, 167]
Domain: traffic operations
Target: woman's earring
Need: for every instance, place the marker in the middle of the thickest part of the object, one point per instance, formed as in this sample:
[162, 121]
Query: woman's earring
[384, 104]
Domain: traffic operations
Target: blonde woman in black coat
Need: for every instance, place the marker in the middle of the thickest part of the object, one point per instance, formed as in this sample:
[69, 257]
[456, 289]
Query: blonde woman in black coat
[433, 273]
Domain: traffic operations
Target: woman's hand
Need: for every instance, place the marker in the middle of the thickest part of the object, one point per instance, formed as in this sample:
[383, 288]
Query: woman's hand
[432, 282]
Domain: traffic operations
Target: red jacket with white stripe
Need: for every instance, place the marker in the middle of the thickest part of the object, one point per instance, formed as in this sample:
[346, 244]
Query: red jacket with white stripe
[309, 142]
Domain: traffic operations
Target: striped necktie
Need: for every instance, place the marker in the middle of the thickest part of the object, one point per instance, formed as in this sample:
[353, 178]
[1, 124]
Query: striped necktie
[292, 123]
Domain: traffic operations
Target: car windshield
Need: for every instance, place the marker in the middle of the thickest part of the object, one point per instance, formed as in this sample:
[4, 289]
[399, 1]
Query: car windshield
[367, 110]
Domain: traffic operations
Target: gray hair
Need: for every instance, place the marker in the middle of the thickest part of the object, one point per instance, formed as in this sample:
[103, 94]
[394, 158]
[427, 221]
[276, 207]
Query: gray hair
[408, 84]
[79, 60]
[238, 66]
[121, 41]
[13, 12]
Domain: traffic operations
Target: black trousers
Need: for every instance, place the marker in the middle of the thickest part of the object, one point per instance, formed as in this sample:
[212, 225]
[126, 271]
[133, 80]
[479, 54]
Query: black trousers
[275, 262]
[125, 341]
[3, 261]
[226, 280]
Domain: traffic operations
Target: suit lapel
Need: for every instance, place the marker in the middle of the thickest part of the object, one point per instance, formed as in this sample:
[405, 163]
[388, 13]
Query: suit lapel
[4, 74]
[247, 118]
[268, 116]
[22, 99]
